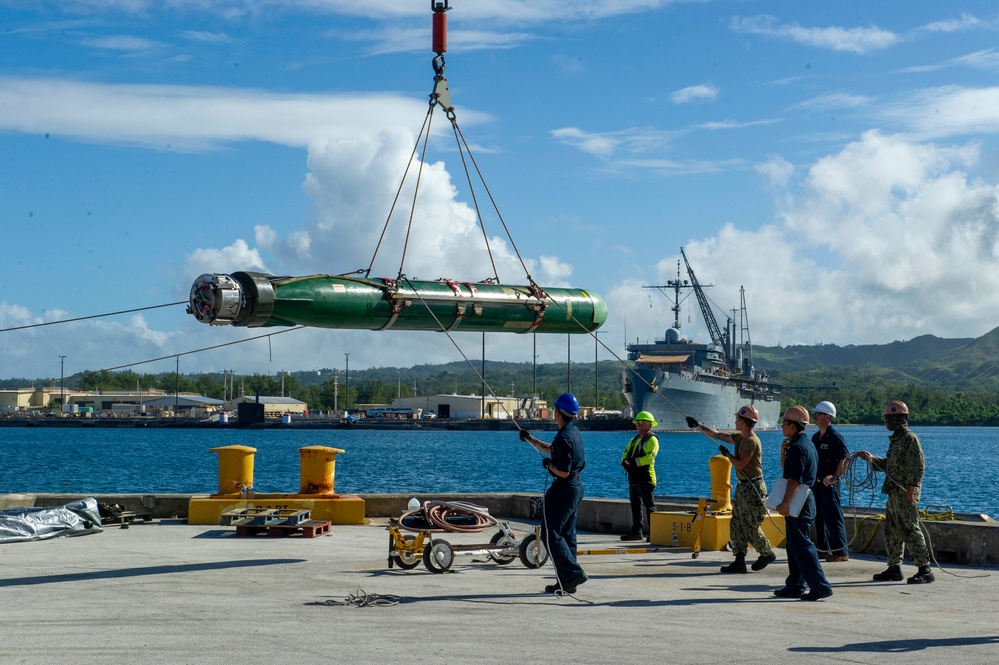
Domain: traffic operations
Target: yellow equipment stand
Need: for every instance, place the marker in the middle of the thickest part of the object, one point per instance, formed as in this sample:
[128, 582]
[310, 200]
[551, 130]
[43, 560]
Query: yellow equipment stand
[317, 465]
[709, 529]
[712, 529]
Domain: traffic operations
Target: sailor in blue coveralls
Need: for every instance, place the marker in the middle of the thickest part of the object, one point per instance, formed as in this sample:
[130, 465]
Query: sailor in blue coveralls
[565, 494]
[800, 463]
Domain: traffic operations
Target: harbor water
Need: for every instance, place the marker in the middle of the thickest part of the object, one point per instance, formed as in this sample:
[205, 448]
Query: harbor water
[424, 462]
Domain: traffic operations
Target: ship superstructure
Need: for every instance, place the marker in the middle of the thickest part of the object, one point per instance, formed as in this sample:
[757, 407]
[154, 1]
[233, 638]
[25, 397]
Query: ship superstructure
[674, 376]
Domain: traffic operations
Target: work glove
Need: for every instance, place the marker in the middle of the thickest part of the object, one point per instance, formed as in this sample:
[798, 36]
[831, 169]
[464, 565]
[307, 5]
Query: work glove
[626, 463]
[724, 451]
[692, 422]
[524, 434]
[547, 462]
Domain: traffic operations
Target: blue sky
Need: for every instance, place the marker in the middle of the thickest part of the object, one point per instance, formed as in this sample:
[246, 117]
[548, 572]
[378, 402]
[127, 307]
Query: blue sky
[838, 160]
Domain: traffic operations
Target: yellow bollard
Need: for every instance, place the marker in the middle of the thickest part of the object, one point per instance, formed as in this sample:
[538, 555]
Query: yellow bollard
[721, 485]
[316, 471]
[235, 468]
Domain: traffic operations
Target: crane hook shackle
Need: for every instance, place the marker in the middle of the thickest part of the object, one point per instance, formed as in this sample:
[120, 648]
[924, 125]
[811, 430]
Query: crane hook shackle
[440, 25]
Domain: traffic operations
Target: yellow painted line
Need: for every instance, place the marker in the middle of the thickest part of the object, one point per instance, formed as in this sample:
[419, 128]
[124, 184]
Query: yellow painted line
[627, 550]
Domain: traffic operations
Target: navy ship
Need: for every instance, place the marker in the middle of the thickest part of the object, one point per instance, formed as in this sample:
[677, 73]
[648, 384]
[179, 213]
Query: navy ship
[676, 377]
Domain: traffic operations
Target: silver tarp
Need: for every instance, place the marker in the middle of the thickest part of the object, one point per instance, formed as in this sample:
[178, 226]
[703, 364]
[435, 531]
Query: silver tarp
[74, 519]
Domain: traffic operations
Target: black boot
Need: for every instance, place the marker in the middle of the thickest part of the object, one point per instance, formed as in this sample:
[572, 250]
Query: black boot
[891, 574]
[924, 576]
[764, 561]
[737, 566]
[633, 535]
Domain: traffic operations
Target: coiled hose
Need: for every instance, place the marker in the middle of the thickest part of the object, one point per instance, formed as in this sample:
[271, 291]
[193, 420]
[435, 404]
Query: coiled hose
[447, 516]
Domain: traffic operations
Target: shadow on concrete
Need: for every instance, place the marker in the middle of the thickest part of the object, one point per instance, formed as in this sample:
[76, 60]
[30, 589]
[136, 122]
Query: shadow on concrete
[902, 646]
[145, 570]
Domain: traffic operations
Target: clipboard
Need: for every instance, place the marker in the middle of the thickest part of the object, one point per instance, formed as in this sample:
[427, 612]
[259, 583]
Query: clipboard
[797, 501]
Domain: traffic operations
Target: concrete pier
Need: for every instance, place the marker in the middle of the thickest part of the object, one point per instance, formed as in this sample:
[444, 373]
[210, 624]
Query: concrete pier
[167, 592]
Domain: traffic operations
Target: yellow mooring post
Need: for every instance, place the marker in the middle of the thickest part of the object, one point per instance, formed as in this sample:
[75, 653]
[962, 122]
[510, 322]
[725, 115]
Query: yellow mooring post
[721, 484]
[317, 468]
[235, 469]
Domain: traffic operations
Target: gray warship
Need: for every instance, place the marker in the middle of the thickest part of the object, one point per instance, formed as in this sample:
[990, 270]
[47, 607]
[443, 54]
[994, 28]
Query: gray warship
[674, 376]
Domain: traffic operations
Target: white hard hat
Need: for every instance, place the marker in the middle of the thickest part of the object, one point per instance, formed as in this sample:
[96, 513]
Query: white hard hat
[825, 407]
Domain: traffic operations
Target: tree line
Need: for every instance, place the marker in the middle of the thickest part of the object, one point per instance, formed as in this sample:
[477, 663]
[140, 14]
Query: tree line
[859, 395]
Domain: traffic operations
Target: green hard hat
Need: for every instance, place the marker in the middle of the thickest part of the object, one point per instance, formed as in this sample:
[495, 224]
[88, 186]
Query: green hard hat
[645, 415]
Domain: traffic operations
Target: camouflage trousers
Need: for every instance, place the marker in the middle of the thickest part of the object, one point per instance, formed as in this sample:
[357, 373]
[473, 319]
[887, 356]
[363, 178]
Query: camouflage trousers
[902, 528]
[748, 513]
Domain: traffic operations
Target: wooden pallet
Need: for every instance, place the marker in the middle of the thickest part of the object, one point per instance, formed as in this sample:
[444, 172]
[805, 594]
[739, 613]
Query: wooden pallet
[308, 529]
[264, 517]
[126, 518]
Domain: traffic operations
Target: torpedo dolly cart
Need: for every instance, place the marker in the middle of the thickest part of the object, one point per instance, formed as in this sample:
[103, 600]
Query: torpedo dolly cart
[438, 555]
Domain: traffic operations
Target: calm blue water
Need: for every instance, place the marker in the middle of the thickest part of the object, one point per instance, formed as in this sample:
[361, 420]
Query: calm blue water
[92, 460]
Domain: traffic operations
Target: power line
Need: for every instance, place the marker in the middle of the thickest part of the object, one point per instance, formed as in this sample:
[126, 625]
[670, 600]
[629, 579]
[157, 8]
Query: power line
[207, 348]
[95, 316]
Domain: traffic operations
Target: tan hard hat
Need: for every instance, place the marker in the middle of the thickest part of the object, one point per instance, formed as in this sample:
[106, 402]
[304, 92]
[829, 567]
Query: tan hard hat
[797, 414]
[895, 407]
[748, 412]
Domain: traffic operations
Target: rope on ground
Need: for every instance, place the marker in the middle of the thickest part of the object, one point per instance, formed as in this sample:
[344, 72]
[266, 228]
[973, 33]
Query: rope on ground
[362, 598]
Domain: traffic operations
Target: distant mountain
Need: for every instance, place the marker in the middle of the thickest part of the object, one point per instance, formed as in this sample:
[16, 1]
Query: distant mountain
[947, 364]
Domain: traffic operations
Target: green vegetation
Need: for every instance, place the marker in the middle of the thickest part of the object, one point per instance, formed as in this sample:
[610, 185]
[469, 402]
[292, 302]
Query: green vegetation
[321, 389]
[944, 381]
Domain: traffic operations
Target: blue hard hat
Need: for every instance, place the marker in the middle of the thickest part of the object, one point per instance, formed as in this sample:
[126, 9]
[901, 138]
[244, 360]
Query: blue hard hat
[567, 403]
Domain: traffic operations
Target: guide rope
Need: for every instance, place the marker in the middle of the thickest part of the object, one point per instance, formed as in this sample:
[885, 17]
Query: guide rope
[94, 316]
[362, 598]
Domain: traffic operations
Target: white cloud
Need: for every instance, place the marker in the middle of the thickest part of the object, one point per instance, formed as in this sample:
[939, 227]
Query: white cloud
[963, 22]
[850, 40]
[398, 39]
[909, 244]
[203, 37]
[124, 43]
[838, 100]
[777, 170]
[237, 256]
[264, 236]
[505, 11]
[988, 60]
[946, 112]
[695, 93]
[735, 124]
[189, 118]
[607, 144]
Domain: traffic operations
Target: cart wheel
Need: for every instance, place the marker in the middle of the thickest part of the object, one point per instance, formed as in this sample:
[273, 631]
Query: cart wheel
[499, 538]
[533, 552]
[407, 559]
[438, 556]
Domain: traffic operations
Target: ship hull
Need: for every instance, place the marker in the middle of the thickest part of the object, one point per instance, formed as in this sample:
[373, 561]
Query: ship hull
[712, 402]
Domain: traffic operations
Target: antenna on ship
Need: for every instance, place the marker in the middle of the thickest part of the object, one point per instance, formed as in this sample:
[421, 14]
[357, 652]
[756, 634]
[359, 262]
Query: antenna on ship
[675, 285]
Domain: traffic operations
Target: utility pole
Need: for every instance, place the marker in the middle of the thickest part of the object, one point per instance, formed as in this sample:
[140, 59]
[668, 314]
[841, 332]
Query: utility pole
[346, 398]
[62, 383]
[482, 401]
[596, 370]
[568, 363]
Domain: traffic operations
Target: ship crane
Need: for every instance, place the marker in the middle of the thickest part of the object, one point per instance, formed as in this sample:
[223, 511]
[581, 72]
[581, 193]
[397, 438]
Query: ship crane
[714, 330]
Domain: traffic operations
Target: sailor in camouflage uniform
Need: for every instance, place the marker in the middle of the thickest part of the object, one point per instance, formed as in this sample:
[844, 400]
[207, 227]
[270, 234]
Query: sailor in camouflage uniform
[903, 467]
[748, 506]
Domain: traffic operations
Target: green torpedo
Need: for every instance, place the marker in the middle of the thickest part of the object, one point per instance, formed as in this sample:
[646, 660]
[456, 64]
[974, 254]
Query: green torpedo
[254, 299]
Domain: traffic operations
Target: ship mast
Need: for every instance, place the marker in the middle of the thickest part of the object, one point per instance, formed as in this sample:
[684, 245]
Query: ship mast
[676, 285]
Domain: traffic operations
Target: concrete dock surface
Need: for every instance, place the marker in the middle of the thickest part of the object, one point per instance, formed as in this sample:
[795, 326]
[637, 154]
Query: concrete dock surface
[167, 592]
